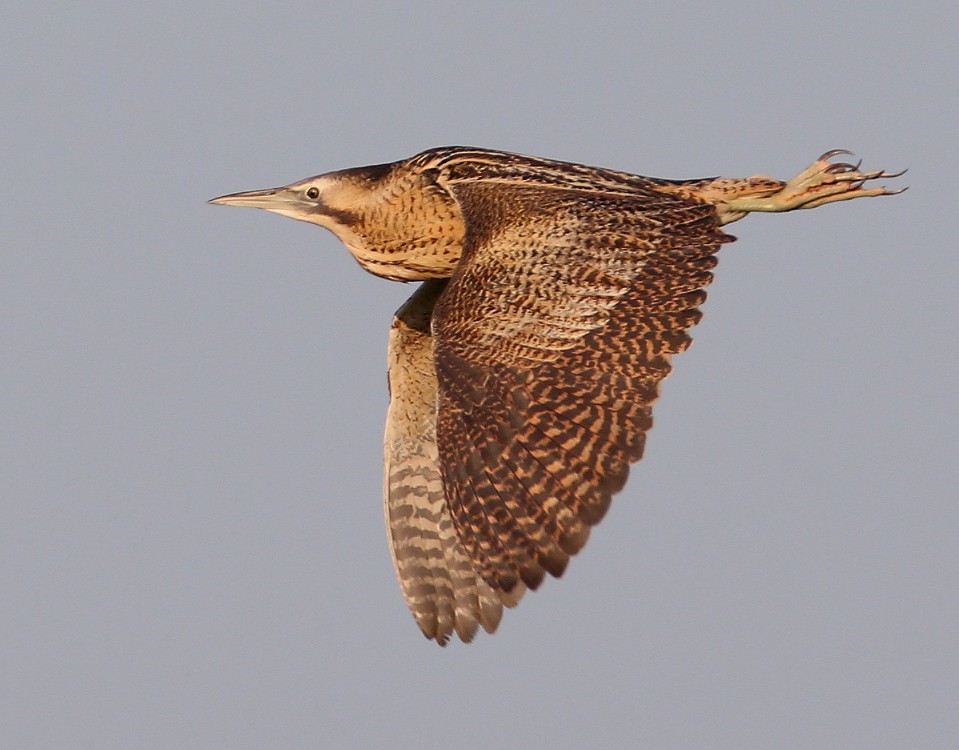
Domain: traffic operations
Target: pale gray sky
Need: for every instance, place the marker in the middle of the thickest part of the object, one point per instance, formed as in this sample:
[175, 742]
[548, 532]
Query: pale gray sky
[192, 549]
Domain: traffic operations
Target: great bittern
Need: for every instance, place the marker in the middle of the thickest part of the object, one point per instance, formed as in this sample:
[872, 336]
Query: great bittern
[523, 371]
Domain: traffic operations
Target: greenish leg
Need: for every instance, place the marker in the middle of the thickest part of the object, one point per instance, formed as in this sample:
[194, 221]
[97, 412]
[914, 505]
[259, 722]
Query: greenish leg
[821, 183]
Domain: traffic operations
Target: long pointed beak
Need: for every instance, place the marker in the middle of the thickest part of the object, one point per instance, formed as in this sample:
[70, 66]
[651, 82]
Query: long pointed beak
[271, 199]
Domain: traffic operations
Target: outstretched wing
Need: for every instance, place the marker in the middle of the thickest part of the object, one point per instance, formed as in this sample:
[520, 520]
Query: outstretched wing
[437, 578]
[550, 342]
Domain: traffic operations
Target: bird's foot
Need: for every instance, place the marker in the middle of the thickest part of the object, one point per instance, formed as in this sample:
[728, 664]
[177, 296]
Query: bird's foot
[820, 183]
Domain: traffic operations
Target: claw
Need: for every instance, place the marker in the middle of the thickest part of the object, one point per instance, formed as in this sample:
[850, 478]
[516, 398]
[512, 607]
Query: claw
[895, 192]
[841, 167]
[835, 152]
[887, 176]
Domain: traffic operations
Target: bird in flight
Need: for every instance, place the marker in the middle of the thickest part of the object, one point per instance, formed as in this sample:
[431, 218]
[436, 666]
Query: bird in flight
[523, 370]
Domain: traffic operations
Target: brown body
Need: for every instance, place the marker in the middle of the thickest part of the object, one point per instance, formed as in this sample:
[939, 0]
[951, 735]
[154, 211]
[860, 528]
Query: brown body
[522, 372]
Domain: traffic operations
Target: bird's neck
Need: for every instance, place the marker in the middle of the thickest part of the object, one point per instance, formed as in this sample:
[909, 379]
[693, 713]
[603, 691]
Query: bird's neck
[408, 234]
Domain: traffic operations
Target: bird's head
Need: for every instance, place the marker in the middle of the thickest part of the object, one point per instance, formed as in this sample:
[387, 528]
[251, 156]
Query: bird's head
[337, 200]
[393, 220]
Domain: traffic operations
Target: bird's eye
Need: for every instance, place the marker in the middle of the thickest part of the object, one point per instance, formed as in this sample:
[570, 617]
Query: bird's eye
[313, 193]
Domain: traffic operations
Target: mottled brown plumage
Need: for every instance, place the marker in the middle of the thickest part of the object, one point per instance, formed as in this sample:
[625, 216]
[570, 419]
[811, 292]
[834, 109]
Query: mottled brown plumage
[523, 371]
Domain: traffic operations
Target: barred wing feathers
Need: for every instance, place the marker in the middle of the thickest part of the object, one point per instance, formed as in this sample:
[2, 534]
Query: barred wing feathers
[550, 341]
[437, 577]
